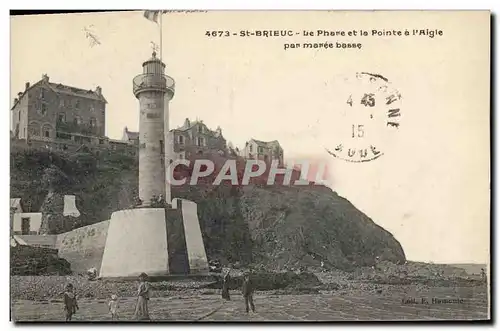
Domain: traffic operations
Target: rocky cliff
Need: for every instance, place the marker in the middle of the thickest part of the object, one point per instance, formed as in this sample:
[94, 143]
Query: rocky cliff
[274, 226]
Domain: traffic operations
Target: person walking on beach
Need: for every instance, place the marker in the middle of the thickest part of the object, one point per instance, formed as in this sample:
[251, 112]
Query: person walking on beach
[70, 303]
[247, 292]
[113, 307]
[141, 308]
[225, 286]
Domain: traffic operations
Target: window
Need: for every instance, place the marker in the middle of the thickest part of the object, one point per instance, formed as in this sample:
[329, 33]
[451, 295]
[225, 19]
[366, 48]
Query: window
[25, 225]
[76, 120]
[61, 103]
[200, 141]
[162, 147]
[91, 108]
[61, 117]
[47, 133]
[77, 104]
[92, 122]
[44, 109]
[200, 129]
[260, 149]
[19, 115]
[34, 130]
[250, 148]
[181, 140]
[42, 94]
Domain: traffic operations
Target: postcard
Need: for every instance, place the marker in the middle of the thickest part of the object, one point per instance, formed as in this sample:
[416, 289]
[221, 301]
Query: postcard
[193, 165]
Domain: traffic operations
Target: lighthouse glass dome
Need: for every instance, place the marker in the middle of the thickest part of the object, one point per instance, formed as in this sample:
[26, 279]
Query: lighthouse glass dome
[153, 78]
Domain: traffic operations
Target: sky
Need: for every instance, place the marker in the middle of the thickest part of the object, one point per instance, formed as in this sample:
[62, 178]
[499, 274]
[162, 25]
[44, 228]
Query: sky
[430, 189]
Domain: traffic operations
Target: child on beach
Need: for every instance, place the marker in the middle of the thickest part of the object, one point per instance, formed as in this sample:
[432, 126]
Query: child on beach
[70, 303]
[113, 307]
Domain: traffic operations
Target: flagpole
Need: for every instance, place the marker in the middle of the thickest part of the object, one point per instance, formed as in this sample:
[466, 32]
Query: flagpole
[161, 30]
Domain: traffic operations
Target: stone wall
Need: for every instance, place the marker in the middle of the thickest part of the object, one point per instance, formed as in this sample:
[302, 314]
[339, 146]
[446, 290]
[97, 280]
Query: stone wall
[83, 247]
[197, 256]
[178, 260]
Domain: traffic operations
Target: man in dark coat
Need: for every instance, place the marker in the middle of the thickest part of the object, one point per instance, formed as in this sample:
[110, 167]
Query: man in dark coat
[70, 303]
[247, 292]
[225, 286]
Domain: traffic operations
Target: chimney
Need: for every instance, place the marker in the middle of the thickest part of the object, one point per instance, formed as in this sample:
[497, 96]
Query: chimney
[20, 94]
[45, 78]
[27, 85]
[187, 123]
[15, 100]
[98, 90]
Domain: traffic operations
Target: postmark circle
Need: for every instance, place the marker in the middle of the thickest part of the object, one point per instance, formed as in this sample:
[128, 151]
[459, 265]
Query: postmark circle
[370, 113]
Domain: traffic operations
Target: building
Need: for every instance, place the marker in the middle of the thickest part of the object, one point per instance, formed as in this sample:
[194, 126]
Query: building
[22, 223]
[266, 151]
[191, 139]
[25, 227]
[165, 239]
[195, 138]
[130, 137]
[50, 112]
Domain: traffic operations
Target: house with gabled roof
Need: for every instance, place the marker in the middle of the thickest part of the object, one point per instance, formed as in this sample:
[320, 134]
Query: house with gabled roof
[49, 111]
[130, 136]
[266, 151]
[193, 138]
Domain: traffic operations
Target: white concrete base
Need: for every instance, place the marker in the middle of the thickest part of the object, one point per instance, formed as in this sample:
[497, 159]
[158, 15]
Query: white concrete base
[136, 243]
[70, 206]
[198, 263]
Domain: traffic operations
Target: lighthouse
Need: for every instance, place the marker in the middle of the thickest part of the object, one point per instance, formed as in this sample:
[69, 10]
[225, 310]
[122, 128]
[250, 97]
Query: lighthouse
[155, 239]
[154, 90]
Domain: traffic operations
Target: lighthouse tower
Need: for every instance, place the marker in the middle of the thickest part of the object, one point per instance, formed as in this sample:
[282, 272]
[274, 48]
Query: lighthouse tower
[157, 240]
[154, 90]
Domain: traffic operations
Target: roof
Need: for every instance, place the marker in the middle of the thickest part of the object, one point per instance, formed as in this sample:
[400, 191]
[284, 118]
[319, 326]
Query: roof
[266, 144]
[189, 125]
[70, 90]
[64, 89]
[131, 135]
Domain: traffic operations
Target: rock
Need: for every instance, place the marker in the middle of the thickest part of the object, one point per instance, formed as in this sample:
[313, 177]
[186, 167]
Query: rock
[30, 261]
[308, 225]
